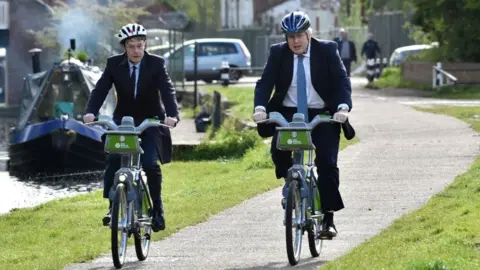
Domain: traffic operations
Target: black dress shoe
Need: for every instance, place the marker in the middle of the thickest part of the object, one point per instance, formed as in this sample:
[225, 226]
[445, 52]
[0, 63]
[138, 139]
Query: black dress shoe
[158, 222]
[328, 230]
[107, 218]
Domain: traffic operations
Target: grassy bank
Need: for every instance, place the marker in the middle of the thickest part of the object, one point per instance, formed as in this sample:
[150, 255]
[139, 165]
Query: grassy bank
[443, 234]
[240, 98]
[392, 78]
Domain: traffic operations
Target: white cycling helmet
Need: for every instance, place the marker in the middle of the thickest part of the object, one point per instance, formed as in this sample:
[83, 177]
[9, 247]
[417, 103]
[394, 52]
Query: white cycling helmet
[131, 30]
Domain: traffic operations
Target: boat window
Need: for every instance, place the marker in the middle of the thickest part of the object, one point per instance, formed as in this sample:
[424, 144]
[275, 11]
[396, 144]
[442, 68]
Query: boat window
[64, 95]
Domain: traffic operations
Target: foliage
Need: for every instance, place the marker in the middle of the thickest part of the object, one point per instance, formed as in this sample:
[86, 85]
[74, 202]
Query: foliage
[80, 55]
[207, 13]
[453, 23]
[382, 5]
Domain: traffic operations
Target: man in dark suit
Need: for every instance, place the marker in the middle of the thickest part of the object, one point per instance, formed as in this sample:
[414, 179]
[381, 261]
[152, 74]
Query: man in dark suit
[370, 48]
[140, 80]
[309, 77]
[347, 50]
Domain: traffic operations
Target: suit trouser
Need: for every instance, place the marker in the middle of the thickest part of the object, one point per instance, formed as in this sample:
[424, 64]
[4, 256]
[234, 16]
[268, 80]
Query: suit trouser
[347, 63]
[149, 163]
[326, 138]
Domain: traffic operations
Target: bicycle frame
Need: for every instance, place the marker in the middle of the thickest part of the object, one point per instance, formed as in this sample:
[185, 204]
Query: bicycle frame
[303, 174]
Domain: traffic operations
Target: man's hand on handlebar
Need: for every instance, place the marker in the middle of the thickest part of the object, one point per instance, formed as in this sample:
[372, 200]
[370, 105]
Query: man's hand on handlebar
[170, 121]
[259, 115]
[88, 118]
[341, 116]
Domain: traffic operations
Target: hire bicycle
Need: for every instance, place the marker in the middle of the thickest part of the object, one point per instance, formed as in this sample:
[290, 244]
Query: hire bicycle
[303, 210]
[132, 206]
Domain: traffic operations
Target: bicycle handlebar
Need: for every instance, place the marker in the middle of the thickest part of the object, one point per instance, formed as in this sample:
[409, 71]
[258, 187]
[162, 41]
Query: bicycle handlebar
[127, 125]
[298, 121]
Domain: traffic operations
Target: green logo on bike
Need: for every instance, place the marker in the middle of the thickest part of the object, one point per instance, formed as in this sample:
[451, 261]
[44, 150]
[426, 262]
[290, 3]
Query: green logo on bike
[293, 139]
[122, 143]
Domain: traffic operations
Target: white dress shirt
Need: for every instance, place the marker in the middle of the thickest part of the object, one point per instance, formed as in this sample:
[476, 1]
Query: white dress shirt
[314, 100]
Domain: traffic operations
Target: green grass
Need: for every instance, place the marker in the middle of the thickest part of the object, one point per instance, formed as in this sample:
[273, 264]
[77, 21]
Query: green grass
[471, 115]
[240, 97]
[458, 92]
[392, 78]
[443, 234]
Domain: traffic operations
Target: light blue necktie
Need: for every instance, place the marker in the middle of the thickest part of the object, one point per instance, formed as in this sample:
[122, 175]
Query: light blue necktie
[302, 104]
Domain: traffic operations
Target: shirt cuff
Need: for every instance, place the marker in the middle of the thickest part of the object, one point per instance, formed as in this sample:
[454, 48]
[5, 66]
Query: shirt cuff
[260, 108]
[343, 106]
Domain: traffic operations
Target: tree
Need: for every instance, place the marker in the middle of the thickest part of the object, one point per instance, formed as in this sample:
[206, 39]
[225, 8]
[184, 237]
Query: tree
[453, 23]
[93, 26]
[205, 12]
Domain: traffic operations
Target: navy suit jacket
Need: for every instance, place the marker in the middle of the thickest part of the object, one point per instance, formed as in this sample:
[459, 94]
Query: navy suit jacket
[328, 74]
[153, 83]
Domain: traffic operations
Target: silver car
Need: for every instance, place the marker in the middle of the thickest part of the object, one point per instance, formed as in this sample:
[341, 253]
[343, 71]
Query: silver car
[211, 53]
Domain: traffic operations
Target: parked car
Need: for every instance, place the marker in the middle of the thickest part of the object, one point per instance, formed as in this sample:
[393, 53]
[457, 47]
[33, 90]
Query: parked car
[211, 53]
[401, 54]
[160, 49]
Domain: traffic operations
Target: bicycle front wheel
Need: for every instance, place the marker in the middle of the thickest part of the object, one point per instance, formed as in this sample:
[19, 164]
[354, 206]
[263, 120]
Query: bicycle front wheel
[293, 219]
[119, 227]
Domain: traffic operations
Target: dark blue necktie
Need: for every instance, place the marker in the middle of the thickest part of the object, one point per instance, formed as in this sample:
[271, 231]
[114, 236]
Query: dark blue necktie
[302, 104]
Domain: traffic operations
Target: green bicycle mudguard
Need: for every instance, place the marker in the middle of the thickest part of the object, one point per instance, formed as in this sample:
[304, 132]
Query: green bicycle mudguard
[317, 204]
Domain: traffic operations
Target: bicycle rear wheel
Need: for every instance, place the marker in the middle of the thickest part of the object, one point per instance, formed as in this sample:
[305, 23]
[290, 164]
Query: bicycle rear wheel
[145, 217]
[119, 226]
[314, 243]
[293, 228]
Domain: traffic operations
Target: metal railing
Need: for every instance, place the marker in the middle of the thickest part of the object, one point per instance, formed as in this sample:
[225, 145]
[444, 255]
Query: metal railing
[441, 78]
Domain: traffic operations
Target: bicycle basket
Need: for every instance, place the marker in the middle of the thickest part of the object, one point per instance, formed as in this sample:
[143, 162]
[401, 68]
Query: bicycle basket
[122, 143]
[294, 139]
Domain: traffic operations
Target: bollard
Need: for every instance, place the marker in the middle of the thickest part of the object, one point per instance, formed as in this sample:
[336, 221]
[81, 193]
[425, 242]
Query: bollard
[217, 110]
[225, 73]
[440, 81]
